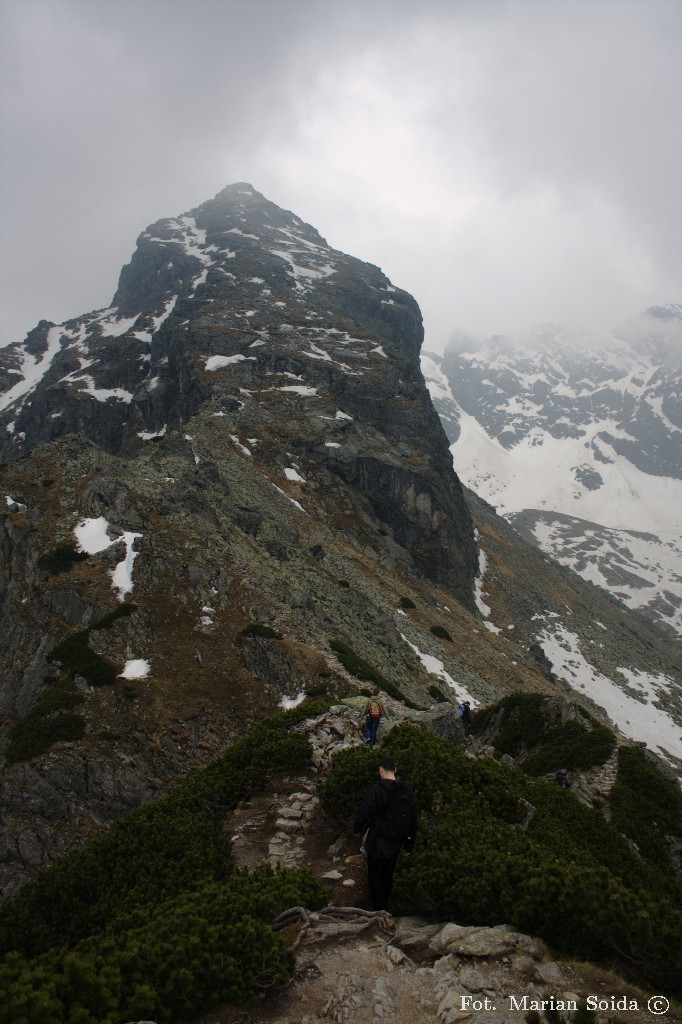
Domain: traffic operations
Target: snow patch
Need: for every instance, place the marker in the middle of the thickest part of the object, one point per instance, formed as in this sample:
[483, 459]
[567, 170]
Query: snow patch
[242, 447]
[292, 702]
[150, 436]
[639, 720]
[92, 536]
[483, 608]
[33, 370]
[113, 325]
[135, 668]
[435, 667]
[303, 390]
[217, 362]
[292, 500]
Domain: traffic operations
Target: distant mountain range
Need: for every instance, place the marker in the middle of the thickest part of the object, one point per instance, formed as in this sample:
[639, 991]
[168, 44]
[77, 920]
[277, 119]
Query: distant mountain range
[575, 439]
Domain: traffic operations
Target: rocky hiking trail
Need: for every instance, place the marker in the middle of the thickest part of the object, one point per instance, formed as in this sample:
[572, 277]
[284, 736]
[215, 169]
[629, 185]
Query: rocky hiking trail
[371, 968]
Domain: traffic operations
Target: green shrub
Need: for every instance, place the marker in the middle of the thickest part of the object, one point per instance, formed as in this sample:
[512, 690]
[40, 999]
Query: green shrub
[571, 746]
[646, 806]
[584, 1016]
[525, 726]
[78, 659]
[407, 602]
[149, 920]
[47, 723]
[362, 669]
[61, 559]
[120, 612]
[258, 629]
[33, 735]
[57, 696]
[569, 876]
[155, 851]
[522, 722]
[441, 632]
[437, 694]
[205, 945]
[317, 691]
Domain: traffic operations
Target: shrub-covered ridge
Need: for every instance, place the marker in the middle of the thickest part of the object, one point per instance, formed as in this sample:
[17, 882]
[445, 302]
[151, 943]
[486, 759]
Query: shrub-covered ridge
[527, 726]
[568, 875]
[150, 919]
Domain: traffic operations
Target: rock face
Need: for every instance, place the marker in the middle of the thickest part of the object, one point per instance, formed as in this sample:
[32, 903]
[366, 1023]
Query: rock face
[229, 491]
[234, 300]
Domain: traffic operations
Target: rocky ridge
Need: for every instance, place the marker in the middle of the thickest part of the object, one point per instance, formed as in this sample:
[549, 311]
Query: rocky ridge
[216, 482]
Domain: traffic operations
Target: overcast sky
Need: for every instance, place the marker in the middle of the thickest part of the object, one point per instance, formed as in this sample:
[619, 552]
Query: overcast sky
[506, 162]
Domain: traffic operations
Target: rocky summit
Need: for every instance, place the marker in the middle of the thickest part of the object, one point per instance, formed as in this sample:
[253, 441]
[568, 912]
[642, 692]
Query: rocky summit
[230, 490]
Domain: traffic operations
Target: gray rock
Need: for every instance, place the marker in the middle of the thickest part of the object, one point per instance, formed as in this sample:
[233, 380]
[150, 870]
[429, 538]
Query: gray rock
[413, 935]
[475, 941]
[472, 980]
[522, 964]
[550, 973]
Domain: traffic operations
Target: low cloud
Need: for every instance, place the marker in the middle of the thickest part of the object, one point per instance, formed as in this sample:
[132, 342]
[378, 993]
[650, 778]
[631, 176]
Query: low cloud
[505, 162]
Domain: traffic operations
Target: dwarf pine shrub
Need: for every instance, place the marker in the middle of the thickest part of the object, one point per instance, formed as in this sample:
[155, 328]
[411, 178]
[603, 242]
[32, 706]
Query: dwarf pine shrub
[154, 851]
[569, 876]
[522, 722]
[35, 733]
[77, 658]
[525, 731]
[259, 629]
[61, 559]
[203, 946]
[571, 746]
[646, 806]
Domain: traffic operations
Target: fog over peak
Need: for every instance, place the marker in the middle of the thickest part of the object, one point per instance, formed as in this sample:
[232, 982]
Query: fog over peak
[507, 163]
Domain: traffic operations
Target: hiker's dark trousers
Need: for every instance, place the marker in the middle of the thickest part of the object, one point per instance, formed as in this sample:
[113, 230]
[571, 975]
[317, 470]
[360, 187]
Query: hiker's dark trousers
[380, 876]
[371, 726]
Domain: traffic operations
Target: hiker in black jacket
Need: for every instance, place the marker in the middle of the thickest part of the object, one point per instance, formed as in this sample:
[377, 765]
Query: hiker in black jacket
[390, 810]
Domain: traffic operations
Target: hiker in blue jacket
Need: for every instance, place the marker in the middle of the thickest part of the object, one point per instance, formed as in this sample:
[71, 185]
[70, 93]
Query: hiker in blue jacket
[390, 810]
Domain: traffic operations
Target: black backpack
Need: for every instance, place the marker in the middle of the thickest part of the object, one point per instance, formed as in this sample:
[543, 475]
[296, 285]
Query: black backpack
[395, 821]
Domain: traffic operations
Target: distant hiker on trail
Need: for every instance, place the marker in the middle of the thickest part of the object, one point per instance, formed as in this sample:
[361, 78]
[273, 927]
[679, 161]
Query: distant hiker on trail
[561, 779]
[373, 713]
[465, 715]
[390, 810]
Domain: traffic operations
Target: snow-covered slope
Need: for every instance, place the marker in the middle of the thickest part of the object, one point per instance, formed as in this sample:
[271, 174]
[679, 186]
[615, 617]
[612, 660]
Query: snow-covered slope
[576, 440]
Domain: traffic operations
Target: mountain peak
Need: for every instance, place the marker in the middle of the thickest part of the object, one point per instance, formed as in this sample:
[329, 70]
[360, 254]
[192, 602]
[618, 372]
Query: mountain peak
[239, 296]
